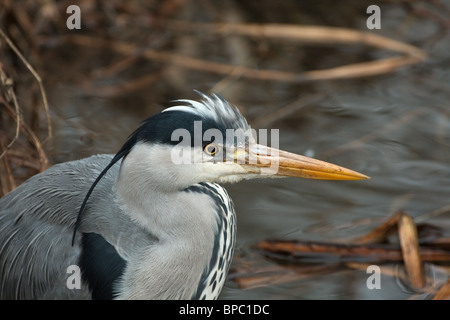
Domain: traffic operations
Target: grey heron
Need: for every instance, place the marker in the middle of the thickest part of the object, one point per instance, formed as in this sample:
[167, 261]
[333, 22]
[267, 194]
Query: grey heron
[148, 226]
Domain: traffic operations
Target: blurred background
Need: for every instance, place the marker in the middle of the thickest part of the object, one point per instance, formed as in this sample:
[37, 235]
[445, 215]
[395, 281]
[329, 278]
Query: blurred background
[70, 93]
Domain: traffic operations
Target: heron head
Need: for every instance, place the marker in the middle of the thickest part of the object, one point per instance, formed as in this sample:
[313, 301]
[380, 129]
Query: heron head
[210, 141]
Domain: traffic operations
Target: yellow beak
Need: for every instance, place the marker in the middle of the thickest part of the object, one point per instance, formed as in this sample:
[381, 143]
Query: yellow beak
[270, 161]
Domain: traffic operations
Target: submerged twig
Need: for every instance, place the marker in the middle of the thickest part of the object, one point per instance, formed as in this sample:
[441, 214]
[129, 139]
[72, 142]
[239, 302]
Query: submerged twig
[435, 213]
[390, 126]
[296, 249]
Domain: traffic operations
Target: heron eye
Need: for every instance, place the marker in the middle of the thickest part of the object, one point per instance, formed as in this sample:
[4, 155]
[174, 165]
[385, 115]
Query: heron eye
[210, 149]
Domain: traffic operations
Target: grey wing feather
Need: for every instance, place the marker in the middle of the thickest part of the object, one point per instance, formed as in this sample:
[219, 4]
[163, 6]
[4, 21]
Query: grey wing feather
[36, 226]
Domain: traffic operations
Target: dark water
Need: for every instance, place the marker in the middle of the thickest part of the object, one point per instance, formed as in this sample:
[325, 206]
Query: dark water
[394, 128]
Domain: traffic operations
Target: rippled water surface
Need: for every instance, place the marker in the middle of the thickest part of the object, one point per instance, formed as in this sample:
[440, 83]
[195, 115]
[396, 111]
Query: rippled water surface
[394, 128]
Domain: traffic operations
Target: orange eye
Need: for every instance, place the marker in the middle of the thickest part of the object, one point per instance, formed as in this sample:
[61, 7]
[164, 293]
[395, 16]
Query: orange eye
[211, 149]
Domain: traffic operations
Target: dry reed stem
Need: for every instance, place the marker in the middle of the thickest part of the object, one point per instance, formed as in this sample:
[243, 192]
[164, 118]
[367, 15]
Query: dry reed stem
[38, 79]
[7, 182]
[380, 233]
[320, 35]
[312, 34]
[444, 292]
[13, 110]
[299, 33]
[409, 243]
[10, 95]
[31, 136]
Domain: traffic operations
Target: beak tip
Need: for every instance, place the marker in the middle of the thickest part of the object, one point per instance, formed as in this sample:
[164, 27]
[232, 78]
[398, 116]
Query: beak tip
[357, 176]
[360, 176]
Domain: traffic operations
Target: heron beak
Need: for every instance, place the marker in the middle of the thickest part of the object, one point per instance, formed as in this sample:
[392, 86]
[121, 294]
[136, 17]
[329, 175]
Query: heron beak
[270, 161]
